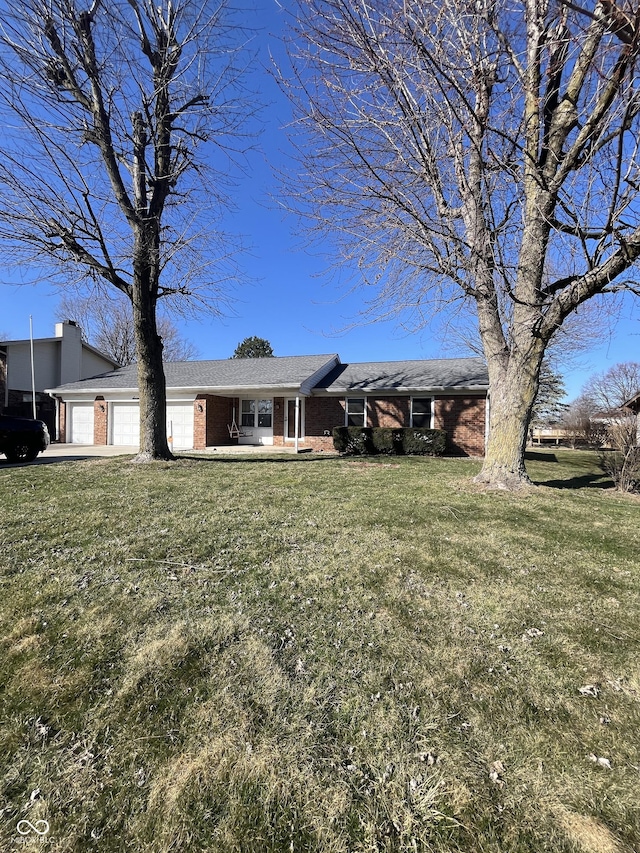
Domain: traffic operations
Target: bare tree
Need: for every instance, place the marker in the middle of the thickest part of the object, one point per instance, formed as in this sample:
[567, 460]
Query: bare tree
[480, 153]
[609, 391]
[580, 424]
[108, 103]
[107, 324]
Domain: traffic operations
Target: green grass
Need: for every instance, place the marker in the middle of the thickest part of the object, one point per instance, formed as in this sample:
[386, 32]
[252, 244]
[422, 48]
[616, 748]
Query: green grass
[308, 654]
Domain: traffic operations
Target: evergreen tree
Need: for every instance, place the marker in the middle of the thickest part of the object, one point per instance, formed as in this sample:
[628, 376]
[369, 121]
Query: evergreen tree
[253, 347]
[548, 408]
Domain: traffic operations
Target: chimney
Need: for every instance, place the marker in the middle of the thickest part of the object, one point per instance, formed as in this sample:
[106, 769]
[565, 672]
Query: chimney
[70, 351]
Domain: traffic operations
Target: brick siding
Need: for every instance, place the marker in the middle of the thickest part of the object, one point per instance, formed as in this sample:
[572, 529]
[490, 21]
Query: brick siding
[321, 415]
[388, 411]
[62, 421]
[212, 417]
[100, 424]
[278, 421]
[463, 419]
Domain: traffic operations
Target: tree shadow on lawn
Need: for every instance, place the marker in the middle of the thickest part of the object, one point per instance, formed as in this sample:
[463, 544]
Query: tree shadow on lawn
[241, 457]
[46, 460]
[590, 480]
[586, 481]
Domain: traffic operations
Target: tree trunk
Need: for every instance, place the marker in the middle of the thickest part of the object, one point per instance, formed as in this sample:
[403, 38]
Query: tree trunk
[151, 378]
[512, 395]
[152, 390]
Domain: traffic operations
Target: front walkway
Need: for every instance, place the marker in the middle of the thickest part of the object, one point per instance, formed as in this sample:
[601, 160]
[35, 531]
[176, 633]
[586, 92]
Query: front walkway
[60, 452]
[251, 449]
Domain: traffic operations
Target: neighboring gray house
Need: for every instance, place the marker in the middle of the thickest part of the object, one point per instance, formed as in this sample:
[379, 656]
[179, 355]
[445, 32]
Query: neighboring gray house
[56, 361]
[280, 401]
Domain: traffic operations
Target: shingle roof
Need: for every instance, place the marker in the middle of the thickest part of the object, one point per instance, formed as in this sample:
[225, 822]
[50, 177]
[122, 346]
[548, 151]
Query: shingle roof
[423, 375]
[230, 373]
[301, 371]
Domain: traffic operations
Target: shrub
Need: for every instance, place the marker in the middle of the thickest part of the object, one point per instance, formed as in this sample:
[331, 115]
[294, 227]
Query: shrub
[388, 440]
[413, 441]
[424, 442]
[354, 441]
[623, 467]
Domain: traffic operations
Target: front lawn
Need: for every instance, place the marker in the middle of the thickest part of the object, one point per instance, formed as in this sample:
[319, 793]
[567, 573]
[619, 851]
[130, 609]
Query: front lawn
[302, 654]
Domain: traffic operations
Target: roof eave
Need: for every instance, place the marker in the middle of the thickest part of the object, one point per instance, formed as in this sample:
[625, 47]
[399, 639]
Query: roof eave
[228, 390]
[405, 389]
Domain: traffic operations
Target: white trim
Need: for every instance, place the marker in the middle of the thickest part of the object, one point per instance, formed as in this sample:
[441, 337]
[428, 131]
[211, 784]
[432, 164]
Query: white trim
[307, 386]
[346, 407]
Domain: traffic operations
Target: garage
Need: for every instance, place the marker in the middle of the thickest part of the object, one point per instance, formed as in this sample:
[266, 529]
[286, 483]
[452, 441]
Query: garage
[81, 423]
[180, 425]
[125, 424]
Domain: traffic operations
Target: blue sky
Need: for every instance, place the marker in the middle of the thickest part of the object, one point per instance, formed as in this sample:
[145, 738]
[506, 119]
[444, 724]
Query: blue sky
[293, 302]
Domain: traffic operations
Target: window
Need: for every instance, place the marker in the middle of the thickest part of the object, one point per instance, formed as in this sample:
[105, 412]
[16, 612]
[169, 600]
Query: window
[421, 412]
[355, 411]
[265, 413]
[256, 413]
[248, 413]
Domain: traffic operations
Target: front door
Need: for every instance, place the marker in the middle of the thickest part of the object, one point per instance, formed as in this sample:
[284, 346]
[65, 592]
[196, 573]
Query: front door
[290, 425]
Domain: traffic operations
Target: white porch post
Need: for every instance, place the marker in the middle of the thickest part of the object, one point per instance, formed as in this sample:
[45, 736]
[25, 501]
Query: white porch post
[297, 425]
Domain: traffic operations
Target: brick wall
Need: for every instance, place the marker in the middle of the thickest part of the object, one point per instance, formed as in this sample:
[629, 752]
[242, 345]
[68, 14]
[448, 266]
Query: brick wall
[62, 421]
[278, 421]
[321, 415]
[463, 419]
[388, 411]
[100, 424]
[212, 417]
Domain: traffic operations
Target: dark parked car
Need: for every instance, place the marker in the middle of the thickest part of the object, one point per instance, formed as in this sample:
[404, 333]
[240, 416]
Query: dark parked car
[21, 439]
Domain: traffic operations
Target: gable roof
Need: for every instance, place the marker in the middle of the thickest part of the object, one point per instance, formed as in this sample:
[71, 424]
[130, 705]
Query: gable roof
[409, 376]
[216, 376]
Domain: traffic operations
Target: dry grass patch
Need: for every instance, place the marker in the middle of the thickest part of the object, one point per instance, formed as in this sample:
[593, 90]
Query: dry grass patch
[589, 834]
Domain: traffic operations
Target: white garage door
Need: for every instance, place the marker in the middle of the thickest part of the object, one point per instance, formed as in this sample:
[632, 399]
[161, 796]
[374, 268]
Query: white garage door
[180, 425]
[125, 424]
[81, 423]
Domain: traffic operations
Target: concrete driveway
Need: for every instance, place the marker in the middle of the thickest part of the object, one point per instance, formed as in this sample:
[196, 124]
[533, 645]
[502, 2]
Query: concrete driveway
[72, 453]
[76, 452]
